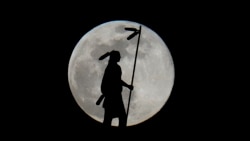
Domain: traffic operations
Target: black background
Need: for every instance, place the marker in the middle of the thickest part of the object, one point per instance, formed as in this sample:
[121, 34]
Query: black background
[42, 38]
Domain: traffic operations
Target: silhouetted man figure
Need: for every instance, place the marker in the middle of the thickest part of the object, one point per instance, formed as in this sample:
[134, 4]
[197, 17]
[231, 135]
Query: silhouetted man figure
[111, 88]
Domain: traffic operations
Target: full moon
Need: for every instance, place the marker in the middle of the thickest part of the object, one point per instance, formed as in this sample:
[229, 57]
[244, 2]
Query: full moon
[153, 78]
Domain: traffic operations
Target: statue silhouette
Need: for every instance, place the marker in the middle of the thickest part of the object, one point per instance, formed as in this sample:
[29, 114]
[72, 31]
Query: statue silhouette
[111, 88]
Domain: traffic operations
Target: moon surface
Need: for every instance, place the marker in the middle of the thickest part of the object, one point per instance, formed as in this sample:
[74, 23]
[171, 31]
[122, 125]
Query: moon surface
[154, 72]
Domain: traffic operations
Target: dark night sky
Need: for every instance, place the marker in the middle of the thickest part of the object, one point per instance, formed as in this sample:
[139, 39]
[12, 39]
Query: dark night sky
[47, 38]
